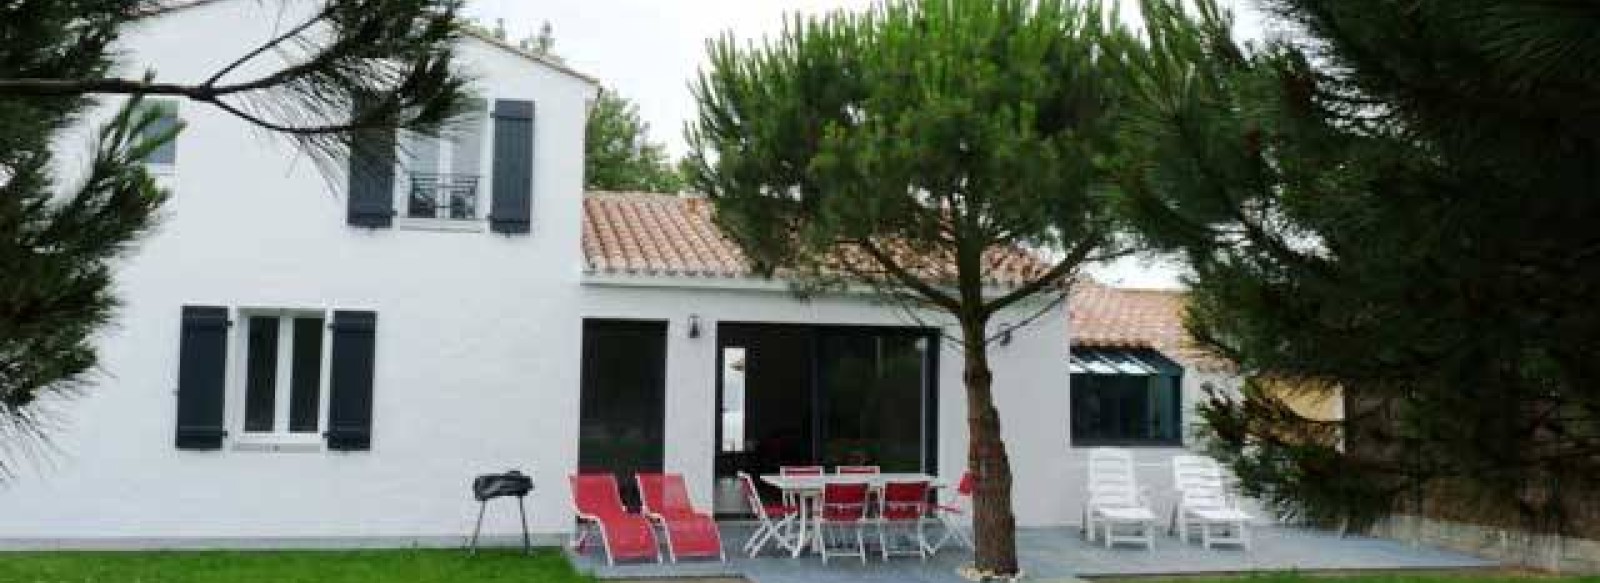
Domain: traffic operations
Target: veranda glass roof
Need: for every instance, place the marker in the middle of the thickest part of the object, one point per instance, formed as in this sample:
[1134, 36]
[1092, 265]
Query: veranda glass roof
[1122, 361]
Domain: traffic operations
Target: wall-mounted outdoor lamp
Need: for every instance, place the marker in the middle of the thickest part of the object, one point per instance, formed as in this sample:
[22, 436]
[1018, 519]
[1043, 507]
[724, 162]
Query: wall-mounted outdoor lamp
[694, 325]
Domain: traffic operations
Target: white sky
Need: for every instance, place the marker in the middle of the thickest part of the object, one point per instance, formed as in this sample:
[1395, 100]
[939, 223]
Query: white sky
[649, 50]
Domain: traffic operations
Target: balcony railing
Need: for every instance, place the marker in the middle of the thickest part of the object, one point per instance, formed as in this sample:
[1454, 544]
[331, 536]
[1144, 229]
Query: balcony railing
[443, 196]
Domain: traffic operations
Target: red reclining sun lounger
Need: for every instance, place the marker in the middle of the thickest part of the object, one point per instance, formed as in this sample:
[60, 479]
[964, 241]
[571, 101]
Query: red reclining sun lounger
[690, 533]
[625, 535]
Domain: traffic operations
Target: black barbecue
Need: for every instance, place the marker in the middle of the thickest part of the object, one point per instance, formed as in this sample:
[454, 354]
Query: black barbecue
[487, 487]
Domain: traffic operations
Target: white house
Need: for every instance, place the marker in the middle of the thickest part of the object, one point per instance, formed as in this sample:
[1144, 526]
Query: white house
[311, 362]
[306, 361]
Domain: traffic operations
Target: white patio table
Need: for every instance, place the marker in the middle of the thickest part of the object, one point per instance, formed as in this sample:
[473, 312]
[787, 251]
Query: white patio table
[808, 490]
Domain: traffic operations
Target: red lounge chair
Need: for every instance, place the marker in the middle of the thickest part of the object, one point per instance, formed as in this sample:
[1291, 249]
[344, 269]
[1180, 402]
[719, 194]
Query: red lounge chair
[625, 535]
[690, 533]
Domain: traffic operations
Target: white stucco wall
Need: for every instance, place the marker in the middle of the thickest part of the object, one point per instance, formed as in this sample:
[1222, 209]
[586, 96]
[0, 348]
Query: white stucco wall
[476, 358]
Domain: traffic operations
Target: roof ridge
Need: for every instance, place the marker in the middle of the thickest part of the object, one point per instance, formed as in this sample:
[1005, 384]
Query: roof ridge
[467, 31]
[633, 194]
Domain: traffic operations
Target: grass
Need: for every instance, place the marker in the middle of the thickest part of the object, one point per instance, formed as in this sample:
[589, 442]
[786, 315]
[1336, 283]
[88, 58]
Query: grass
[374, 566]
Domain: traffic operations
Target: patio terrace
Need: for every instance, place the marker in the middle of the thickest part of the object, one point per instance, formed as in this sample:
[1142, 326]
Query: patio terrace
[1061, 554]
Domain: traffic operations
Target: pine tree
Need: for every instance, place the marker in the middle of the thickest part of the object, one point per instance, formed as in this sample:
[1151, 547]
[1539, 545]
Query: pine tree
[618, 153]
[907, 149]
[1395, 201]
[57, 240]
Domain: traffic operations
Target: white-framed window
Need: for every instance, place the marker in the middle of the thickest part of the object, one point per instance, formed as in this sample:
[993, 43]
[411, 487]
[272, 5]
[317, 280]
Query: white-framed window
[443, 178]
[279, 393]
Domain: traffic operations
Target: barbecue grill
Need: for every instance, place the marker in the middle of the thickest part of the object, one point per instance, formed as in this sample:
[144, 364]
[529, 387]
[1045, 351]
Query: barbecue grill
[512, 484]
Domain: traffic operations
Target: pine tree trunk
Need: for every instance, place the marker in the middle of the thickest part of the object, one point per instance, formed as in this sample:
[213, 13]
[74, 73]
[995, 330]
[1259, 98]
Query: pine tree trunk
[994, 526]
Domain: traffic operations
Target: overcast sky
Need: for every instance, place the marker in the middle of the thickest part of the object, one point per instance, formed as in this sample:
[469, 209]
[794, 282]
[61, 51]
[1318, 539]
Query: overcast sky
[649, 50]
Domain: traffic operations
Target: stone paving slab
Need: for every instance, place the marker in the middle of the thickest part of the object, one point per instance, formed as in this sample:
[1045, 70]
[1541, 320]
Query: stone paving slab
[1061, 554]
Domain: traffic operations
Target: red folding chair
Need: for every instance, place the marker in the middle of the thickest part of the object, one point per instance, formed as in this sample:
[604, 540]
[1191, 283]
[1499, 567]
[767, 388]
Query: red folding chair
[690, 533]
[772, 520]
[904, 504]
[790, 498]
[857, 470]
[843, 505]
[625, 536]
[951, 512]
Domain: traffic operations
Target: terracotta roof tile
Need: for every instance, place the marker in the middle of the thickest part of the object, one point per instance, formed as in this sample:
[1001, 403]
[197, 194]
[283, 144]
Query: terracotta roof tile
[660, 234]
[1107, 317]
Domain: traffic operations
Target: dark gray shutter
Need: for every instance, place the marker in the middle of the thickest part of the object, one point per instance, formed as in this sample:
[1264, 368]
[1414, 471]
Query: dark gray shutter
[372, 160]
[350, 380]
[202, 366]
[512, 206]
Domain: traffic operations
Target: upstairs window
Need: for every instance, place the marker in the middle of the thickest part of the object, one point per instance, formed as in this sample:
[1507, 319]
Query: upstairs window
[1125, 397]
[442, 182]
[443, 175]
[166, 155]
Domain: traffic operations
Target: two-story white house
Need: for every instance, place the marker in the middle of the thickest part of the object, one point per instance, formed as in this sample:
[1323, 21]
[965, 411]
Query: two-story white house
[312, 360]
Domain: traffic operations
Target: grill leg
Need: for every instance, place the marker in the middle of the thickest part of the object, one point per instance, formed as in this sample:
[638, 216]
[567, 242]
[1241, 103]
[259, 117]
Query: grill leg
[472, 548]
[527, 543]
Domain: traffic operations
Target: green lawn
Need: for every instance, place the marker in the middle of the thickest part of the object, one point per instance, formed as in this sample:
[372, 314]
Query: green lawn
[386, 566]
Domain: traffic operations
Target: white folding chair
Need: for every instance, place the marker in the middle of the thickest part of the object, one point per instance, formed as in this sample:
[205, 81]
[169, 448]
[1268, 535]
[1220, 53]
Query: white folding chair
[773, 520]
[1116, 505]
[1204, 504]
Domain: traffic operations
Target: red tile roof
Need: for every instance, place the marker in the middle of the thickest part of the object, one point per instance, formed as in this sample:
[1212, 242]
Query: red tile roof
[656, 234]
[661, 234]
[1107, 317]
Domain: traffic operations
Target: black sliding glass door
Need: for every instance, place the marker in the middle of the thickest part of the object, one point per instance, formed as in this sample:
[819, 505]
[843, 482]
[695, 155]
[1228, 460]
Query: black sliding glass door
[873, 388]
[823, 395]
[622, 406]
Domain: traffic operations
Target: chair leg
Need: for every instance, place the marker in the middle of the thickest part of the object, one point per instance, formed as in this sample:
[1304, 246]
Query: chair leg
[822, 533]
[883, 539]
[761, 529]
[580, 539]
[861, 543]
[666, 533]
[922, 539]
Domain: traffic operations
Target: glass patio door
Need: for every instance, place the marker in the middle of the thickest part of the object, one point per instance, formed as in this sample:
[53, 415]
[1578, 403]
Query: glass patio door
[821, 395]
[873, 399]
[622, 404]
